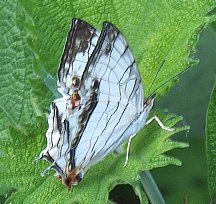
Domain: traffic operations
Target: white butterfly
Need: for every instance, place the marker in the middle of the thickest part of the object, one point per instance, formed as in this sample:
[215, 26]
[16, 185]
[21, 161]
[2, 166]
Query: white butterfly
[102, 105]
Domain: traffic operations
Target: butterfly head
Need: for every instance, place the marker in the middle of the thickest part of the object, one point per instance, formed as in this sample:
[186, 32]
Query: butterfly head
[148, 104]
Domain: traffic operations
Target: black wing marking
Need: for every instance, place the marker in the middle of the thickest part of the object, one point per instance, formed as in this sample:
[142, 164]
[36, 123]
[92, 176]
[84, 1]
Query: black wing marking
[81, 41]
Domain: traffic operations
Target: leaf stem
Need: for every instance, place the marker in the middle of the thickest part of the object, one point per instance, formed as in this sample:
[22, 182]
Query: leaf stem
[151, 188]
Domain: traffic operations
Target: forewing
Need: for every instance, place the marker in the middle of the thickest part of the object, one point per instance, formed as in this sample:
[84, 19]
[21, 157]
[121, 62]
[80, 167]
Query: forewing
[116, 102]
[81, 41]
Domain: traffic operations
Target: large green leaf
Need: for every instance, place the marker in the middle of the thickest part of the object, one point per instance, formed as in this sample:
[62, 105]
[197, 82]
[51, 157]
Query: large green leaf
[156, 31]
[15, 68]
[19, 172]
[211, 145]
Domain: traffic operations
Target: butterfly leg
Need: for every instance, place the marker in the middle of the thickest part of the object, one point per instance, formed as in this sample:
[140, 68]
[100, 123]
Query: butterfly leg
[159, 123]
[149, 121]
[128, 149]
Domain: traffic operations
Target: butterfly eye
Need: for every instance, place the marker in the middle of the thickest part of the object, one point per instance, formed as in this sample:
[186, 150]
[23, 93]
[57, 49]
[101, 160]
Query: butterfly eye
[95, 84]
[75, 82]
[147, 101]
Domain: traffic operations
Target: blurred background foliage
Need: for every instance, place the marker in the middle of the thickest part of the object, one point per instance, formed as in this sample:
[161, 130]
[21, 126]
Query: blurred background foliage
[190, 97]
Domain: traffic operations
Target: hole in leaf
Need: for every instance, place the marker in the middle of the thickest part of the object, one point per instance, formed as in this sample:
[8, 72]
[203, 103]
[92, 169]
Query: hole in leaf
[123, 194]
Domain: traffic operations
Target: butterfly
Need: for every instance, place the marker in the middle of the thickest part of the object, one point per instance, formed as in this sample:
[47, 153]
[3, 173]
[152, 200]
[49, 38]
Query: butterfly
[102, 104]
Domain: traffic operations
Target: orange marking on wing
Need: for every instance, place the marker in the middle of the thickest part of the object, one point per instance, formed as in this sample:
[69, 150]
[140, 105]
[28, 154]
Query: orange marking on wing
[75, 99]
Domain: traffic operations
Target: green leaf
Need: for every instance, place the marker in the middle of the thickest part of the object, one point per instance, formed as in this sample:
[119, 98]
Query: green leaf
[211, 145]
[15, 68]
[22, 174]
[170, 36]
[155, 30]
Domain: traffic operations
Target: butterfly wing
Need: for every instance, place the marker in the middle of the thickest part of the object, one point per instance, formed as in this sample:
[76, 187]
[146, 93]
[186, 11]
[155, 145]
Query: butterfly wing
[113, 93]
[112, 102]
[81, 41]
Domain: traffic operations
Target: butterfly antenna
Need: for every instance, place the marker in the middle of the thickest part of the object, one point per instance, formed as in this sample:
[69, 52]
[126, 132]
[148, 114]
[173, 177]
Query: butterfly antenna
[156, 75]
[180, 73]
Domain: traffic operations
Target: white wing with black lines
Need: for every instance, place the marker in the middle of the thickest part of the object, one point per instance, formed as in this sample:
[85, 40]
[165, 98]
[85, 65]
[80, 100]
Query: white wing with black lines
[118, 99]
